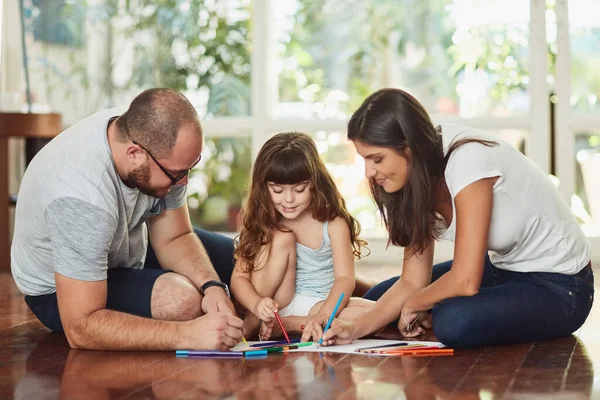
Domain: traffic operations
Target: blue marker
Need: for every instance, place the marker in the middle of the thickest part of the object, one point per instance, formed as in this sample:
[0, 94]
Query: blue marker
[337, 305]
[282, 343]
[205, 353]
[255, 353]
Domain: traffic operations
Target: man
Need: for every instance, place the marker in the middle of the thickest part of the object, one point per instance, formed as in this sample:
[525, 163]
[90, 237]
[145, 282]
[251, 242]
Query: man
[88, 202]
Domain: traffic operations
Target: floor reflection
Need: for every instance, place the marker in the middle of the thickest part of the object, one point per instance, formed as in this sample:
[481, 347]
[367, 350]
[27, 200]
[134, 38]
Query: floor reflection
[540, 371]
[36, 364]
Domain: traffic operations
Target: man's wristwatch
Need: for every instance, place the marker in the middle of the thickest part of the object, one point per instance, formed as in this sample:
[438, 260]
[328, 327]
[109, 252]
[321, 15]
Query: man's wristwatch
[215, 283]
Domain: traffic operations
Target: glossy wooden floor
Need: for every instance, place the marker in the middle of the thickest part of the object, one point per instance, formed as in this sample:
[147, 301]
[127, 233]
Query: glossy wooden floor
[36, 364]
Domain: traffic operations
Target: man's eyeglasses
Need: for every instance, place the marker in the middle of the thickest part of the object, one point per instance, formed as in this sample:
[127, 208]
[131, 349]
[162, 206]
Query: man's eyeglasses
[173, 179]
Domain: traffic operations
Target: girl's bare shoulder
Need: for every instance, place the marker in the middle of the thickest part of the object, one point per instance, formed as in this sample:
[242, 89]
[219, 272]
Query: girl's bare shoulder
[338, 225]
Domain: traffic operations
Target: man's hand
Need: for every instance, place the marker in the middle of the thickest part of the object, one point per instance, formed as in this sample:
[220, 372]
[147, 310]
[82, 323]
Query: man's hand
[314, 327]
[340, 332]
[215, 300]
[214, 331]
[265, 309]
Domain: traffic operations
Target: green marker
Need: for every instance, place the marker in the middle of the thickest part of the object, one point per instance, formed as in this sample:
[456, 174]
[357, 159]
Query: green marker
[297, 345]
[275, 349]
[278, 349]
[304, 344]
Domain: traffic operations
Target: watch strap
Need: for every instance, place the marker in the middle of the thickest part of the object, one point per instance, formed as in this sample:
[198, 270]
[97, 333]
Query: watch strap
[212, 283]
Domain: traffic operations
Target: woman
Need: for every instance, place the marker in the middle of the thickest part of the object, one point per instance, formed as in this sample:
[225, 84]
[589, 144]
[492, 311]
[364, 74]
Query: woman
[467, 186]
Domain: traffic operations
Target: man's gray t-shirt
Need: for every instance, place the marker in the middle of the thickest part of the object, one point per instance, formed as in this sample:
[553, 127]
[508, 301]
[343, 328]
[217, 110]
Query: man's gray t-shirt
[75, 216]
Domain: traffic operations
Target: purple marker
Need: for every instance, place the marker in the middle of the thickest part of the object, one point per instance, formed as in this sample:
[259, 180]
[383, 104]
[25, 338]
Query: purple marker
[201, 353]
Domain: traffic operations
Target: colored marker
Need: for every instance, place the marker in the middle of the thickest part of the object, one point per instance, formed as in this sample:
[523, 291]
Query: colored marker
[297, 346]
[290, 347]
[421, 351]
[333, 314]
[303, 344]
[382, 346]
[202, 353]
[211, 357]
[255, 353]
[274, 349]
[282, 348]
[425, 355]
[264, 344]
[400, 349]
[196, 353]
[282, 328]
[261, 357]
[278, 349]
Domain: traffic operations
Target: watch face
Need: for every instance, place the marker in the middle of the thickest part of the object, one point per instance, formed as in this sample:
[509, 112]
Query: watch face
[226, 288]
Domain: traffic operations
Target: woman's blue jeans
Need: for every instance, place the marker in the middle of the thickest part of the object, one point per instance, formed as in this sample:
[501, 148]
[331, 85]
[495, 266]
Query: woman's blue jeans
[510, 307]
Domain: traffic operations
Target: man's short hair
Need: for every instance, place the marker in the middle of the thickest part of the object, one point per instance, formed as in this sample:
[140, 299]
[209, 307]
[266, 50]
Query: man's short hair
[155, 117]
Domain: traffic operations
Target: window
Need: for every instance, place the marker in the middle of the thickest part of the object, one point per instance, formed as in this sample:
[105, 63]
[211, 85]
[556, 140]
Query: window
[348, 171]
[217, 186]
[587, 201]
[466, 58]
[253, 68]
[83, 56]
[584, 30]
[576, 45]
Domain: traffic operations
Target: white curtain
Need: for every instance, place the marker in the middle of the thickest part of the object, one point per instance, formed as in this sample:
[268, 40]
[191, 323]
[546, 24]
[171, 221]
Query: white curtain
[12, 88]
[11, 56]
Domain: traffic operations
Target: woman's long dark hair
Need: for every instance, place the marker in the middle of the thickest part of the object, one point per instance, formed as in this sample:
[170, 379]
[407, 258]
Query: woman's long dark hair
[394, 119]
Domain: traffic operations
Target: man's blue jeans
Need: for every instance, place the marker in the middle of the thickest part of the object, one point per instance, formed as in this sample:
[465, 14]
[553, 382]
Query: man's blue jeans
[510, 307]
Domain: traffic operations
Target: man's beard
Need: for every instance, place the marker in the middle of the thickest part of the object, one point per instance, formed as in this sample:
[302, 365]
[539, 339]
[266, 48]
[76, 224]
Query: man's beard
[140, 179]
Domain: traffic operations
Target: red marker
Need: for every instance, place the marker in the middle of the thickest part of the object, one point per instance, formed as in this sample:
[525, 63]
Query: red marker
[282, 328]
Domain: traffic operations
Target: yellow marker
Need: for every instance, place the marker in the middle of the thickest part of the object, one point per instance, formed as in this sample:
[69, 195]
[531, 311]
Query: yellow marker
[244, 340]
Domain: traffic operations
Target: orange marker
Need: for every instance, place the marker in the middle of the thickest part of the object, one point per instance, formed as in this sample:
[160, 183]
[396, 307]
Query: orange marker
[421, 351]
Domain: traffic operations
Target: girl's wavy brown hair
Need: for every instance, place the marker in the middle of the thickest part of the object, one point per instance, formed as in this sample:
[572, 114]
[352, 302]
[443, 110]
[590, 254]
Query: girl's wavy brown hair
[394, 119]
[288, 159]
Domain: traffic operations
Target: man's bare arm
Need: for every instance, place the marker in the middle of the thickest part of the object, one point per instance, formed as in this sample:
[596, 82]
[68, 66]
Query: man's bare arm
[89, 325]
[178, 248]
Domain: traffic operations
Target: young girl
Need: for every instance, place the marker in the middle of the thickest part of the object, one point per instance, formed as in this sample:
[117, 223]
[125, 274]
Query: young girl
[298, 242]
[470, 187]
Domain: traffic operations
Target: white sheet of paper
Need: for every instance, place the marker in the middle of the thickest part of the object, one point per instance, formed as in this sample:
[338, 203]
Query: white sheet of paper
[347, 348]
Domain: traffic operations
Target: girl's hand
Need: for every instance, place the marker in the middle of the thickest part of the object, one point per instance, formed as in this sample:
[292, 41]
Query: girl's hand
[412, 322]
[314, 327]
[265, 309]
[265, 330]
[340, 332]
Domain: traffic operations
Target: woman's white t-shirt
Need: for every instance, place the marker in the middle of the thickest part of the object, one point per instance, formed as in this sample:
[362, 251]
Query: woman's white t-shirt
[532, 228]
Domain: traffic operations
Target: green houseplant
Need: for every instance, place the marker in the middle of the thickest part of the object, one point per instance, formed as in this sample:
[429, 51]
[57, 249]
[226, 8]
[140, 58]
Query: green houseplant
[218, 187]
[197, 47]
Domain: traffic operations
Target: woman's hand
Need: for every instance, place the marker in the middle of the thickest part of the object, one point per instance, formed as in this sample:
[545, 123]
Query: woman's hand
[340, 332]
[413, 322]
[265, 309]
